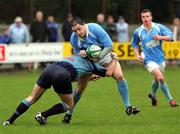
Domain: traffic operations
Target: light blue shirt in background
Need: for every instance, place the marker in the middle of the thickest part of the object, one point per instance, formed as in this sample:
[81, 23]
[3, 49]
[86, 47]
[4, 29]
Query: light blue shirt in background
[122, 32]
[19, 34]
[151, 48]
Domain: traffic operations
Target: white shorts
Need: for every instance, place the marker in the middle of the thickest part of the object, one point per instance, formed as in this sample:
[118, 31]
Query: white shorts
[105, 60]
[153, 65]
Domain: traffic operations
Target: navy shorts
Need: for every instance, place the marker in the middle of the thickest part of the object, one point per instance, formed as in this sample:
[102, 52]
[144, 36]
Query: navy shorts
[57, 76]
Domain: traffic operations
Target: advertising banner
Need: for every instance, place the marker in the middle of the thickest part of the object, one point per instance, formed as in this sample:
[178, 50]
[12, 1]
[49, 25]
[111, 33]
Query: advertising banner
[34, 52]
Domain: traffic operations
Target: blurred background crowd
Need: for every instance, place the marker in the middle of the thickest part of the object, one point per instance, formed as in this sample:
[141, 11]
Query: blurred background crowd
[48, 30]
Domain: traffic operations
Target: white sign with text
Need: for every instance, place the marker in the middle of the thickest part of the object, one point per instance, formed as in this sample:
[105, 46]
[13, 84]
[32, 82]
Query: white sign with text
[34, 52]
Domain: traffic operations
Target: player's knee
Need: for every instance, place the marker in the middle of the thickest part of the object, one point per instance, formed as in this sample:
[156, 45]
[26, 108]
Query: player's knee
[118, 77]
[69, 105]
[160, 79]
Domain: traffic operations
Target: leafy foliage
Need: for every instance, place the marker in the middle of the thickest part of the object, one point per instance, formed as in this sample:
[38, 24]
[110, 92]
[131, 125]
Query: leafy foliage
[87, 9]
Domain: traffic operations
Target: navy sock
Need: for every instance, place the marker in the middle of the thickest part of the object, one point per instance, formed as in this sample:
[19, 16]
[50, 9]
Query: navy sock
[23, 107]
[56, 109]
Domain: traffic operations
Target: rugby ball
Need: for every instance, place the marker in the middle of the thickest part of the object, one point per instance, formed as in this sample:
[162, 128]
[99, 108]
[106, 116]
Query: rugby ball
[93, 51]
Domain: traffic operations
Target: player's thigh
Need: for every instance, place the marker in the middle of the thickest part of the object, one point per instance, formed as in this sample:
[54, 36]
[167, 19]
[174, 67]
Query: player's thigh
[36, 94]
[82, 83]
[162, 67]
[67, 99]
[118, 74]
[63, 87]
[156, 70]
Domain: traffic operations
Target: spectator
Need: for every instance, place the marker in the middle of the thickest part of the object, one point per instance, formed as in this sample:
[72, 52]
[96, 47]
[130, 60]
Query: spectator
[111, 28]
[38, 28]
[18, 31]
[39, 32]
[53, 29]
[5, 38]
[176, 29]
[100, 20]
[66, 28]
[122, 30]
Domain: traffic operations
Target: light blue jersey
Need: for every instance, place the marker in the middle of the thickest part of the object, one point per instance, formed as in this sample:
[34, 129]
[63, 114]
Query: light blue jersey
[19, 34]
[84, 66]
[95, 36]
[151, 48]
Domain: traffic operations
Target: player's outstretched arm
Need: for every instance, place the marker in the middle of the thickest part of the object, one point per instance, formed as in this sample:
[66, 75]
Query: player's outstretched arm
[82, 83]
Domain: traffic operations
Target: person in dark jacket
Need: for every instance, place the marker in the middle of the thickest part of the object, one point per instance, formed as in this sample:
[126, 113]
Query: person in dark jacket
[39, 32]
[66, 28]
[53, 29]
[38, 28]
[5, 38]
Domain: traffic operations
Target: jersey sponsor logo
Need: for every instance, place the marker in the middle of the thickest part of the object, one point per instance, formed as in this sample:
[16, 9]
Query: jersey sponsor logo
[2, 53]
[143, 37]
[152, 43]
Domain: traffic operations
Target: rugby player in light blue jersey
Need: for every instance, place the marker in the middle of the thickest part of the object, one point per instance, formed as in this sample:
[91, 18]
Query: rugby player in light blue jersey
[85, 35]
[151, 35]
[59, 75]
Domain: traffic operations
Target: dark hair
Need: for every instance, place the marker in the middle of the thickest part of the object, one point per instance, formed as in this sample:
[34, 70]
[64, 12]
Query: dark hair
[146, 10]
[76, 20]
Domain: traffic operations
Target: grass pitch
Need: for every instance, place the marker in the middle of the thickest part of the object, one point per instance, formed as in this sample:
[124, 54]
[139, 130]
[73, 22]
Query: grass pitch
[99, 111]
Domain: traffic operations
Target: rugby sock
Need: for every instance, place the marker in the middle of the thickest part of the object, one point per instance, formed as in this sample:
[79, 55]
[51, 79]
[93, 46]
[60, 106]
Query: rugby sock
[123, 90]
[23, 107]
[56, 109]
[155, 85]
[76, 97]
[165, 90]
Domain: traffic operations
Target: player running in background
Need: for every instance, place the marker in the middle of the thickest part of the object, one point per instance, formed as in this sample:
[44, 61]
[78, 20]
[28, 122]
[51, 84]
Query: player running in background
[85, 35]
[151, 35]
[59, 75]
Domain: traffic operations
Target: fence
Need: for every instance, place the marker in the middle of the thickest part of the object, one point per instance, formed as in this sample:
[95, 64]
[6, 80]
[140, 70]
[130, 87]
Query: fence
[49, 52]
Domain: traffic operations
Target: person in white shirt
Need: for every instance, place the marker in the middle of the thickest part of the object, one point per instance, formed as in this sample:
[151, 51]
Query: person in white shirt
[18, 31]
[122, 30]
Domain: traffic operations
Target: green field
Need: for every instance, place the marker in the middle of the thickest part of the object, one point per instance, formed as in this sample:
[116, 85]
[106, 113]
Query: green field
[100, 110]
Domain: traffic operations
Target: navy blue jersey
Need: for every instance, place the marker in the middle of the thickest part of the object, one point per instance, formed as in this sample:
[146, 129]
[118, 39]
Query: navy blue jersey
[82, 66]
[60, 74]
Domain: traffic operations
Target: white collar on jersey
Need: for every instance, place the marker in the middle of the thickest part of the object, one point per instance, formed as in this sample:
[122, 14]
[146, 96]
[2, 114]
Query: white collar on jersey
[146, 28]
[87, 30]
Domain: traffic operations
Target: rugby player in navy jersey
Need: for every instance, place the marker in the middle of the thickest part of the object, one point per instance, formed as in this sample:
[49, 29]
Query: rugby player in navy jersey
[59, 75]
